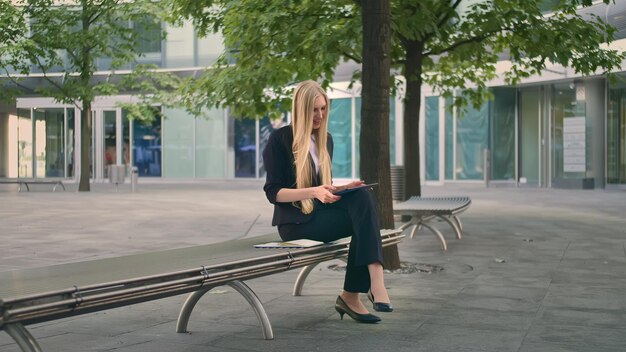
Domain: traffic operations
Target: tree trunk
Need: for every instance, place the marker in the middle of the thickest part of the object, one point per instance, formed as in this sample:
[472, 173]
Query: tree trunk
[85, 147]
[412, 105]
[85, 115]
[374, 139]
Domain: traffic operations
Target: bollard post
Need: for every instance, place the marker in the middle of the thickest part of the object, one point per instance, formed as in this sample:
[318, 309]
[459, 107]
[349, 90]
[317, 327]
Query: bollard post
[134, 177]
[117, 175]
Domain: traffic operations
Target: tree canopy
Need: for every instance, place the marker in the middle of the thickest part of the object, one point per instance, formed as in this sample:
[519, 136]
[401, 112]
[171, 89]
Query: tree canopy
[67, 42]
[449, 45]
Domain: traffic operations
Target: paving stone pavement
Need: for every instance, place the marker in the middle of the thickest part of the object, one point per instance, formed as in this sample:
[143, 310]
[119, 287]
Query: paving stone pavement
[537, 270]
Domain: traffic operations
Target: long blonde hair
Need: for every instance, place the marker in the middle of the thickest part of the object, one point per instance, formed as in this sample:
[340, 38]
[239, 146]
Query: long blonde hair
[302, 125]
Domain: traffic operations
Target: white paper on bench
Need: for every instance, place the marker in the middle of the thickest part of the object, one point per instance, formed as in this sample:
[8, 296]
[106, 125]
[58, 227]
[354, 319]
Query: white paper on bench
[290, 244]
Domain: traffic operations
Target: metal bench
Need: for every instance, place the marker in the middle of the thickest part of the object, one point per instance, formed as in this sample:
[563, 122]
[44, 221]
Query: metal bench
[423, 210]
[43, 294]
[26, 182]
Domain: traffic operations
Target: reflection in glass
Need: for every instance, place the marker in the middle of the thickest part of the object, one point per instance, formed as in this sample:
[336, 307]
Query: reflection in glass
[93, 144]
[616, 135]
[471, 138]
[125, 140]
[266, 127]
[70, 142]
[432, 138]
[530, 105]
[49, 142]
[340, 127]
[564, 105]
[24, 143]
[8, 145]
[503, 134]
[110, 140]
[245, 148]
[178, 143]
[147, 147]
[449, 140]
[211, 145]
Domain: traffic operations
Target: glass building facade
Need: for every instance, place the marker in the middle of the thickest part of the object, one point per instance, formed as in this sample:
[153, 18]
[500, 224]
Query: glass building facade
[551, 132]
[616, 134]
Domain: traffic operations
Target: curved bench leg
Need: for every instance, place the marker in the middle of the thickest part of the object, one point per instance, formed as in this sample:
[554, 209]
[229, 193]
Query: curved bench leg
[458, 222]
[437, 233]
[187, 308]
[457, 231]
[414, 231]
[22, 337]
[304, 273]
[245, 291]
[256, 304]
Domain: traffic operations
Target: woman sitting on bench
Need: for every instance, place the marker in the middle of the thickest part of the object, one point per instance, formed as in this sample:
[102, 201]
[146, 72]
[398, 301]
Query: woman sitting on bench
[299, 184]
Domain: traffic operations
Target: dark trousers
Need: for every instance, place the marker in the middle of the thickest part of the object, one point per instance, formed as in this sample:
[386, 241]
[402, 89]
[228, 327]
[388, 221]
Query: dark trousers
[353, 215]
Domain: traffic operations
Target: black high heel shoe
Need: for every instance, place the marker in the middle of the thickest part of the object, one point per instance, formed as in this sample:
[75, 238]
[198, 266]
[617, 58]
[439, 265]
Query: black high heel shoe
[379, 306]
[342, 308]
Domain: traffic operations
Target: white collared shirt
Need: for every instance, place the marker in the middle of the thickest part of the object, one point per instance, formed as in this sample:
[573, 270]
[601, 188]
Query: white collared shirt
[314, 155]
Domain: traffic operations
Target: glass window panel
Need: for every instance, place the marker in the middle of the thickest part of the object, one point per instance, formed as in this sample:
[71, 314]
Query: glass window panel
[340, 127]
[70, 142]
[211, 145]
[126, 155]
[565, 106]
[245, 148]
[209, 48]
[503, 134]
[266, 127]
[449, 140]
[5, 137]
[148, 35]
[178, 143]
[432, 138]
[92, 146]
[49, 142]
[616, 134]
[40, 142]
[110, 140]
[8, 145]
[25, 143]
[180, 46]
[529, 117]
[147, 147]
[471, 139]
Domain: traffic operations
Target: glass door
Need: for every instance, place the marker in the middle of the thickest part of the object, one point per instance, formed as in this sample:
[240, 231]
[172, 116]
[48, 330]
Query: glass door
[530, 136]
[109, 144]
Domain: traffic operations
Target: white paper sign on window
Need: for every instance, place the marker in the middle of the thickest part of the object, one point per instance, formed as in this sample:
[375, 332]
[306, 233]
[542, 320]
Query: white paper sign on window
[574, 144]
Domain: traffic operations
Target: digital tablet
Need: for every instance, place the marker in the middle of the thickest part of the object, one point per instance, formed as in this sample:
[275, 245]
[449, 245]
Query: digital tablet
[348, 190]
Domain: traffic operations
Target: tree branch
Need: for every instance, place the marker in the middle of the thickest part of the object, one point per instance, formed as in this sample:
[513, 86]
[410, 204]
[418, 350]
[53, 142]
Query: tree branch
[12, 79]
[476, 39]
[443, 20]
[100, 13]
[352, 57]
[447, 16]
[45, 76]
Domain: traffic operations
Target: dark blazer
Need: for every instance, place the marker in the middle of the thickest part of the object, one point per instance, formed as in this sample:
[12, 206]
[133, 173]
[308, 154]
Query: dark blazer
[281, 173]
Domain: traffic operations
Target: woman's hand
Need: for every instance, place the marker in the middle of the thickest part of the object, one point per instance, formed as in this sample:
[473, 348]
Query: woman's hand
[350, 185]
[325, 194]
